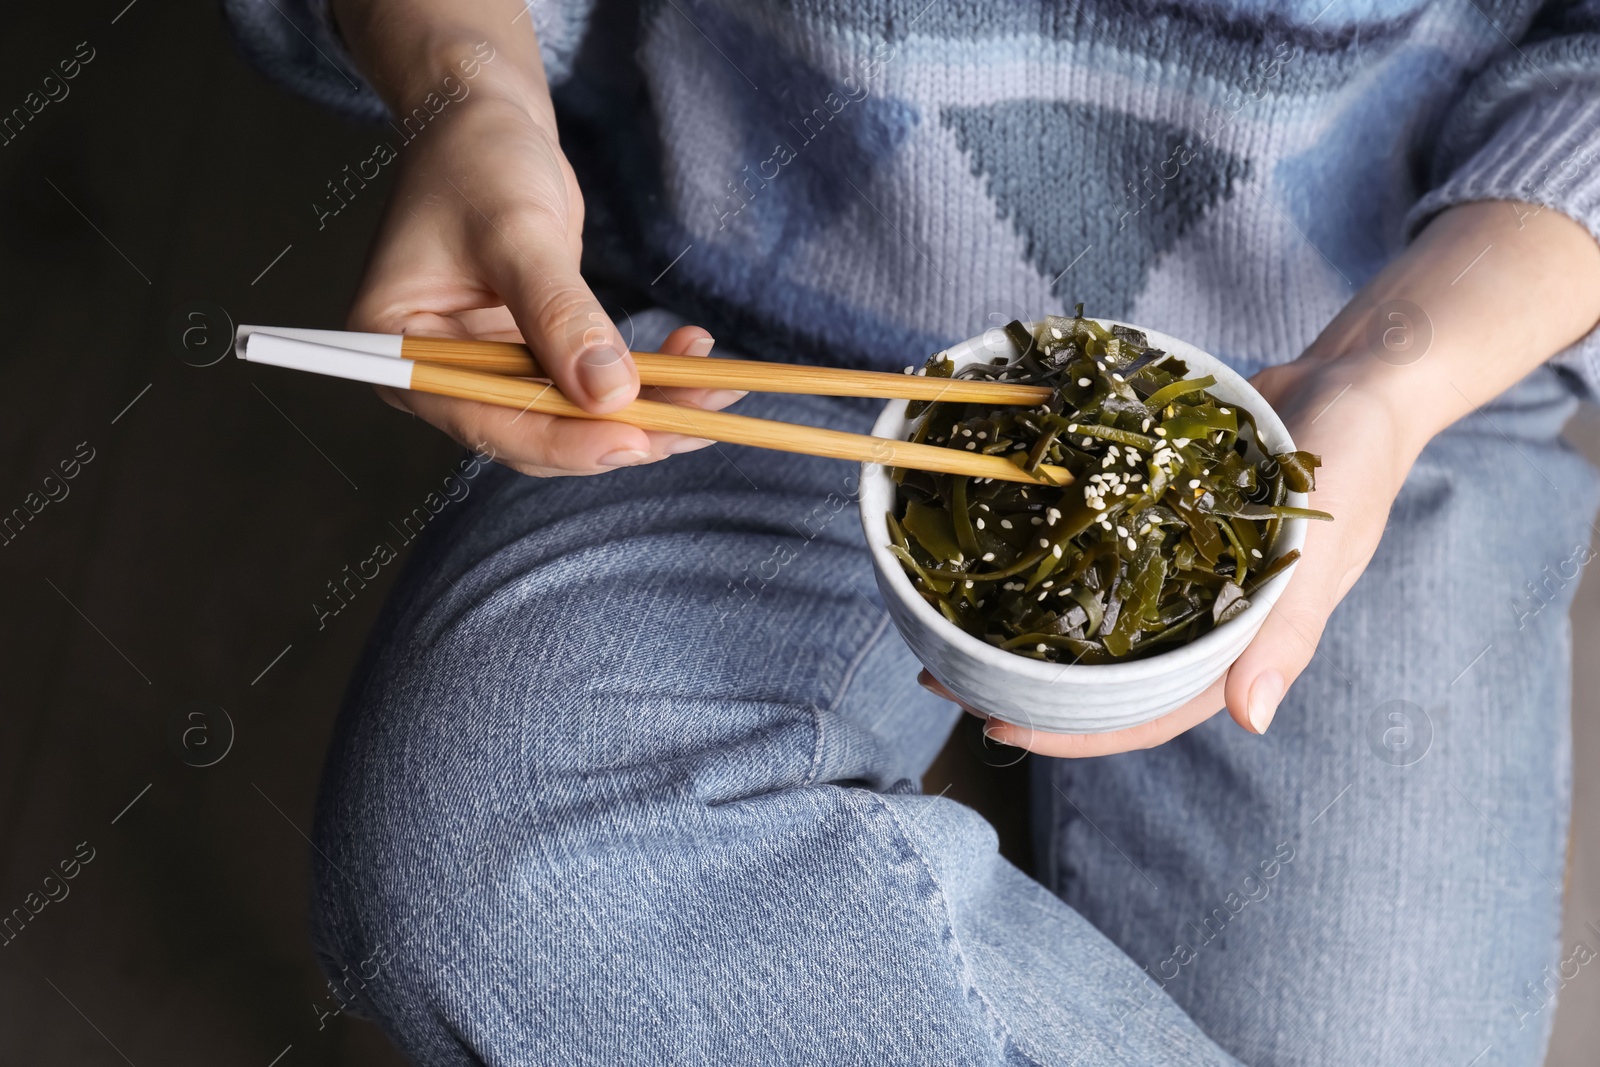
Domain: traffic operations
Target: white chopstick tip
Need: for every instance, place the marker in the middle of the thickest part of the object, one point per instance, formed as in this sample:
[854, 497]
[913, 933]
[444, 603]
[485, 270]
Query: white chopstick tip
[259, 346]
[372, 344]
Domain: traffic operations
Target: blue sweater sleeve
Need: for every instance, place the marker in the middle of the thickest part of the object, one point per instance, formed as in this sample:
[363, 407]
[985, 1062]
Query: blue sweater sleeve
[295, 44]
[1528, 129]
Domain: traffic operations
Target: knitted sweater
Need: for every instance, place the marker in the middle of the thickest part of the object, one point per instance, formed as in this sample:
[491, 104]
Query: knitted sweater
[866, 181]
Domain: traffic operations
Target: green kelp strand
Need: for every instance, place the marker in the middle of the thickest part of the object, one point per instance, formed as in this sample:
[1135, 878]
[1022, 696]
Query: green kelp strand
[1182, 387]
[966, 536]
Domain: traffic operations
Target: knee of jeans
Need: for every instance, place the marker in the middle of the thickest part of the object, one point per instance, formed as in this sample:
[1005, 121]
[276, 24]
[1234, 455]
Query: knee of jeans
[520, 729]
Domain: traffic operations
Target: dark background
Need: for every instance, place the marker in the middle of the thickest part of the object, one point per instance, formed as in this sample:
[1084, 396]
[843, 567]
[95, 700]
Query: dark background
[171, 588]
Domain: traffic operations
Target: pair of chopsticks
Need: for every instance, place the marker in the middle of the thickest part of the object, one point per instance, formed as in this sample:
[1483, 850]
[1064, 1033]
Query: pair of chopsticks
[499, 372]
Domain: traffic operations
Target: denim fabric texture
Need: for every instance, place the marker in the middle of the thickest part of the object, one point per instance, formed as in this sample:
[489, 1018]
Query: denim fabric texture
[629, 775]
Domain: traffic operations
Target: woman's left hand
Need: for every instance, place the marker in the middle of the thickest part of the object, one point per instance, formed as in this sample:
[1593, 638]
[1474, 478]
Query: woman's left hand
[1492, 289]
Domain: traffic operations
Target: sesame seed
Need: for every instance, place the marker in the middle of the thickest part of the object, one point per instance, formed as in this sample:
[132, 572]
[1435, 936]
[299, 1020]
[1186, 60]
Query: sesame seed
[909, 370]
[1194, 483]
[1256, 552]
[1055, 333]
[1144, 427]
[965, 432]
[1132, 544]
[971, 445]
[1072, 427]
[1055, 551]
[1041, 646]
[1049, 583]
[1041, 597]
[979, 524]
[1225, 411]
[969, 585]
[1085, 381]
[1180, 442]
[1044, 542]
[1122, 531]
[1161, 431]
[982, 434]
[1005, 524]
[1087, 441]
[1036, 520]
[1118, 377]
[988, 557]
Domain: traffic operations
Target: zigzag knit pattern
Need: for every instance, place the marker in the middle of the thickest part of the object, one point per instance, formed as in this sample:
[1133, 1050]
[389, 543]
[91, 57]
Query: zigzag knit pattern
[865, 181]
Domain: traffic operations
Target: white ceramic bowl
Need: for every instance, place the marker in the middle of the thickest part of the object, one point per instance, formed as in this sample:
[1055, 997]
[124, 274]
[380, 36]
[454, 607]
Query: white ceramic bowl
[1056, 697]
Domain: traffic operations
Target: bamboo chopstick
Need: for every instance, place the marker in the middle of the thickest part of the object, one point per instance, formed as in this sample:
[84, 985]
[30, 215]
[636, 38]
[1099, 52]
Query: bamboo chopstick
[656, 368]
[725, 426]
[505, 391]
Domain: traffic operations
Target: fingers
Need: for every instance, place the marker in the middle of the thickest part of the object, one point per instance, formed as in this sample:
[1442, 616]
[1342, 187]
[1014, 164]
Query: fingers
[492, 252]
[1077, 746]
[545, 446]
[692, 341]
[1288, 639]
[687, 341]
[535, 444]
[395, 398]
[530, 264]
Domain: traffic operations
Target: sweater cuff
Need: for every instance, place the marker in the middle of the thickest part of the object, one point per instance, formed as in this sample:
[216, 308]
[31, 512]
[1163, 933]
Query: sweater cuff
[1545, 153]
[295, 44]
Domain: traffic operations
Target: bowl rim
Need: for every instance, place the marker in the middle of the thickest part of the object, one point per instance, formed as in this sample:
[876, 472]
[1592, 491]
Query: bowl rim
[876, 483]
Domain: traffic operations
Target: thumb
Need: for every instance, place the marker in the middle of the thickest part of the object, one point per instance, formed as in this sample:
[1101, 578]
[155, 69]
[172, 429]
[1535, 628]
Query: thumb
[571, 336]
[1284, 646]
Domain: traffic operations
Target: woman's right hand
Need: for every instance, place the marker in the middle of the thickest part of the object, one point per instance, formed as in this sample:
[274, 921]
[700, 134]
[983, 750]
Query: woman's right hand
[482, 238]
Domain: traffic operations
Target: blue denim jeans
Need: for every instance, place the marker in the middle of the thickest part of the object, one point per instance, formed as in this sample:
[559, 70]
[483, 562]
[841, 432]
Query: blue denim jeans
[629, 774]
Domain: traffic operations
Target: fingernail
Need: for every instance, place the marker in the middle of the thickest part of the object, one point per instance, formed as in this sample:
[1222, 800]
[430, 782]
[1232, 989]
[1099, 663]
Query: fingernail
[991, 727]
[1265, 692]
[625, 457]
[701, 346]
[687, 444]
[604, 373]
[721, 398]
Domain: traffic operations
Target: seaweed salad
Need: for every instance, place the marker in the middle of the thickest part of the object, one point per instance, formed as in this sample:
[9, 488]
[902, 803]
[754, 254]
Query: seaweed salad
[1164, 532]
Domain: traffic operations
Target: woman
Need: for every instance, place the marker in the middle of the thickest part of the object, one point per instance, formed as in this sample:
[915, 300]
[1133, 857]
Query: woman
[629, 773]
